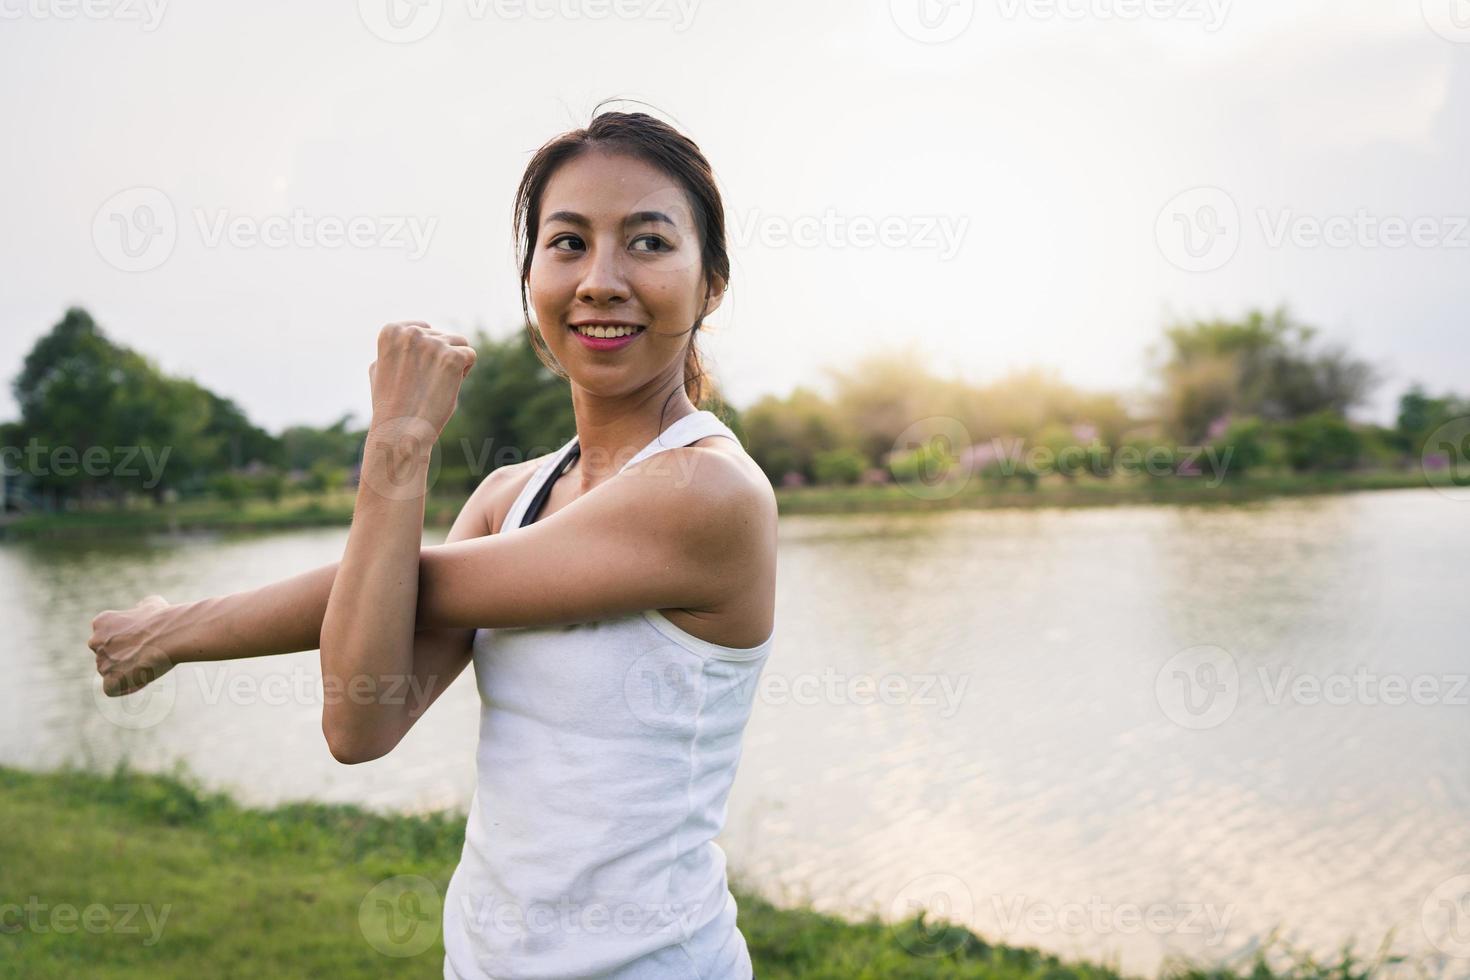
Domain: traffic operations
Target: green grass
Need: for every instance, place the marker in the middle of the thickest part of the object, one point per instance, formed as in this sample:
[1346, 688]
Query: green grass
[238, 892]
[335, 509]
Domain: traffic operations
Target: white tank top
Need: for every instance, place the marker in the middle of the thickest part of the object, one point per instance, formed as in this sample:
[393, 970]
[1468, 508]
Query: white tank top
[606, 754]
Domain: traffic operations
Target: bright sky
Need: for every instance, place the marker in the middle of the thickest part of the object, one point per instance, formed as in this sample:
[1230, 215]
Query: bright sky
[995, 183]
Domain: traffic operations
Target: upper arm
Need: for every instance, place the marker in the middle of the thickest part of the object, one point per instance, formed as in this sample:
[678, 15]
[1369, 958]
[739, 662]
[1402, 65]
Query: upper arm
[683, 533]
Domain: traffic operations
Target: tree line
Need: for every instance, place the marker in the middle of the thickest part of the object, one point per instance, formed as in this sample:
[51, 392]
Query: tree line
[102, 424]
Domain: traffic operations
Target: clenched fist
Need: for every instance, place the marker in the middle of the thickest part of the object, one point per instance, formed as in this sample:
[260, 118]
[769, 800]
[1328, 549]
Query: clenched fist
[417, 375]
[126, 642]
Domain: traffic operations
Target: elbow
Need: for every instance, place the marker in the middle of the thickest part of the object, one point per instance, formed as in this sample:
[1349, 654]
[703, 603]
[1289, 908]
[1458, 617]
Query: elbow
[350, 755]
[348, 749]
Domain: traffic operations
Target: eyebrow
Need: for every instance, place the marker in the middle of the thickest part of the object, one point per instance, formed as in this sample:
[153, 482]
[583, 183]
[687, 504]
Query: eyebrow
[636, 218]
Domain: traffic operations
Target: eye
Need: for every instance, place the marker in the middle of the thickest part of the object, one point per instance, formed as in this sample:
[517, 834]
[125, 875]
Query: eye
[556, 243]
[657, 243]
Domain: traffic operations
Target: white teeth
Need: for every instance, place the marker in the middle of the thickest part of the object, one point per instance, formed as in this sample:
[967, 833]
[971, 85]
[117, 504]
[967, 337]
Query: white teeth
[605, 332]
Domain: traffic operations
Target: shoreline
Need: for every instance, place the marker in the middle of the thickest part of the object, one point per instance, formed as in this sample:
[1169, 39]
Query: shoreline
[439, 511]
[294, 890]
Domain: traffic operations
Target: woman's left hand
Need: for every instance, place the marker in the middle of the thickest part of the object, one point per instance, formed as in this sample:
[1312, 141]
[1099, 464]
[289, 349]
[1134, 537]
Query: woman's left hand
[417, 375]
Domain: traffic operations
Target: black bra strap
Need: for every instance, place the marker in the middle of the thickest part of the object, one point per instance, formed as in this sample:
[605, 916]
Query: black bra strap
[533, 509]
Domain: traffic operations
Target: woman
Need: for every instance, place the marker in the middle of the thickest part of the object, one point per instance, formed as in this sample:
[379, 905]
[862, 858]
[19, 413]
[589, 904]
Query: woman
[617, 634]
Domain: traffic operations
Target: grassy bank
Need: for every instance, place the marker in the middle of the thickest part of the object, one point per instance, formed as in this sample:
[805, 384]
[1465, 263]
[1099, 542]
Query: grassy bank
[330, 510]
[336, 509]
[1089, 492]
[128, 875]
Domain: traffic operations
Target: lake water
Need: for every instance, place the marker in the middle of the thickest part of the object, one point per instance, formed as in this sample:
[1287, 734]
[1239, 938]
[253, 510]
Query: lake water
[1124, 732]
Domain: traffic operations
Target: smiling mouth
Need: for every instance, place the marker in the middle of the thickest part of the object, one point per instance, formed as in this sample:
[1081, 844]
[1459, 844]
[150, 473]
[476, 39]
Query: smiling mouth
[605, 331]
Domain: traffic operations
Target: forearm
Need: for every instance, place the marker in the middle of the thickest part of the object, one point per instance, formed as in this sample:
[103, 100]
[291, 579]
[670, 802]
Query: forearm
[283, 617]
[367, 629]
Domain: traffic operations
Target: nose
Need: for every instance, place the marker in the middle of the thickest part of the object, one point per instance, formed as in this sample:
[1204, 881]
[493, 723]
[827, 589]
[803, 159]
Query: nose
[603, 280]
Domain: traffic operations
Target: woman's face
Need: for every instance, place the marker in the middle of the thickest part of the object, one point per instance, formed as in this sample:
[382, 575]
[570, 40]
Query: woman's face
[617, 248]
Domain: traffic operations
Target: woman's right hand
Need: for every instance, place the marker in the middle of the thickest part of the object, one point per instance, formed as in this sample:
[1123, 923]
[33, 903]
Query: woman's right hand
[126, 642]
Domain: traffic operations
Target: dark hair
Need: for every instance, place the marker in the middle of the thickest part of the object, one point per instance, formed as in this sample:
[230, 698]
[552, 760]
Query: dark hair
[655, 142]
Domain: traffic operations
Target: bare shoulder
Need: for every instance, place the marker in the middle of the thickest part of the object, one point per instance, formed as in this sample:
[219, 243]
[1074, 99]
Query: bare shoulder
[711, 496]
[496, 493]
[719, 478]
[732, 521]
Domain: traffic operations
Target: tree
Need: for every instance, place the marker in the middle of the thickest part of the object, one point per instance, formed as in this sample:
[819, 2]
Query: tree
[241, 443]
[1419, 415]
[97, 409]
[1323, 441]
[786, 435]
[839, 466]
[1266, 365]
[339, 444]
[879, 397]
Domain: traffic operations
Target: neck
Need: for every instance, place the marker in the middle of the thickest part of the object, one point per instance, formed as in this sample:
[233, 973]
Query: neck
[610, 431]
